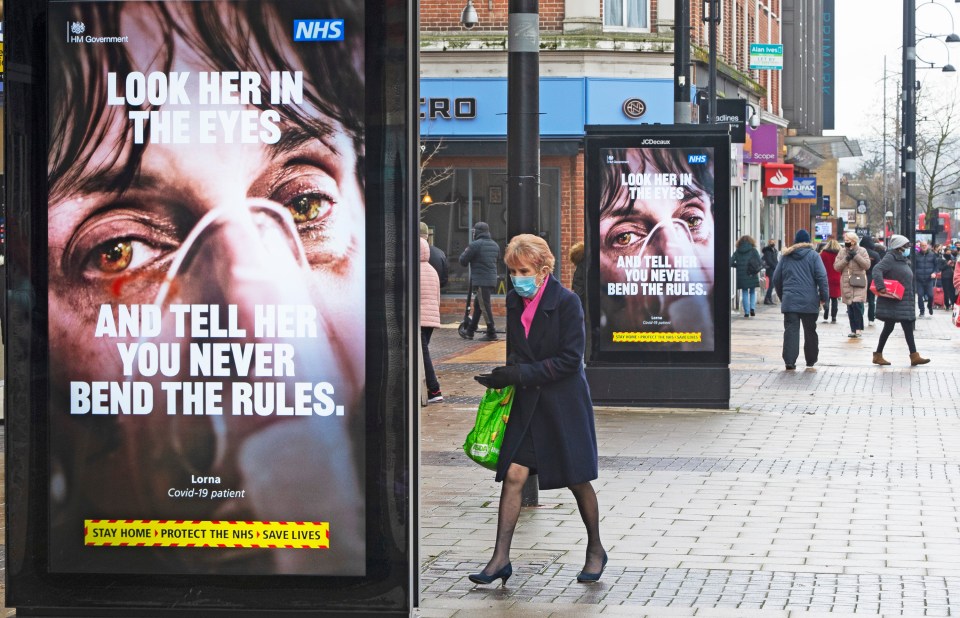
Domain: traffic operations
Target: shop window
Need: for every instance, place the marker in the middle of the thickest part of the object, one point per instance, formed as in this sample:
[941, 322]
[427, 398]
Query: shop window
[626, 14]
[464, 196]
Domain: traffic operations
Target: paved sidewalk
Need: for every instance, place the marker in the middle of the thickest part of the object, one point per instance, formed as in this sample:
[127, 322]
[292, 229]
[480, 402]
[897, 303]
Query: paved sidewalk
[830, 490]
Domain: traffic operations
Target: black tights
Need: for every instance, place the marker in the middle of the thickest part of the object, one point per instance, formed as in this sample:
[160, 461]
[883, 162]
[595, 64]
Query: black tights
[888, 326]
[510, 498]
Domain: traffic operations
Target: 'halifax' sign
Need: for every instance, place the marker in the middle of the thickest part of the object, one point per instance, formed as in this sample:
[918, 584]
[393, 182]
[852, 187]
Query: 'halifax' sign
[805, 188]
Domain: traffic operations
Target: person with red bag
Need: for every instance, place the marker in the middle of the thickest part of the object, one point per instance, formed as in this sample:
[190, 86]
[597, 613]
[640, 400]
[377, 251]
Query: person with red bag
[891, 311]
[829, 256]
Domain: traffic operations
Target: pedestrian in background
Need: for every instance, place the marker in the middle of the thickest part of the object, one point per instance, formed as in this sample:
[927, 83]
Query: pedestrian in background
[770, 259]
[892, 311]
[852, 264]
[481, 256]
[829, 255]
[927, 266]
[946, 279]
[579, 285]
[429, 318]
[875, 252]
[438, 259]
[746, 259]
[551, 431]
[801, 283]
[956, 283]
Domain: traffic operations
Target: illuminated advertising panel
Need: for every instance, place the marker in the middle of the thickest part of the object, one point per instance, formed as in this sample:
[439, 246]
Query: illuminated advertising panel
[222, 187]
[657, 205]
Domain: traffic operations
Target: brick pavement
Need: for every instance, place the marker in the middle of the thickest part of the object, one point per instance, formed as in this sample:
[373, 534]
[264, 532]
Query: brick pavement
[829, 490]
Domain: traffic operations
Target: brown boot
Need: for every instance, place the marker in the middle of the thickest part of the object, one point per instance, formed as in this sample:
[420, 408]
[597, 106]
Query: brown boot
[916, 359]
[878, 359]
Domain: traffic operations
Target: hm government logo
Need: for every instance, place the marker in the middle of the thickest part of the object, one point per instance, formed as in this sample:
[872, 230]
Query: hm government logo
[75, 30]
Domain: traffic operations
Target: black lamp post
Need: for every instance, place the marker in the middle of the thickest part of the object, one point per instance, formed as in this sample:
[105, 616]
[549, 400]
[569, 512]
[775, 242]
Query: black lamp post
[908, 204]
[908, 160]
[711, 15]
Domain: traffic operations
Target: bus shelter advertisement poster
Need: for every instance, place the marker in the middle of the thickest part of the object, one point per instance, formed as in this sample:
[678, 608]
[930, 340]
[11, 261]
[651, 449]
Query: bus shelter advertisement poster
[206, 246]
[656, 248]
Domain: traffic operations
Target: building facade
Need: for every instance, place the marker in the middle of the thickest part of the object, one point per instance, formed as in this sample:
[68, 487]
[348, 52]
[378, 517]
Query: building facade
[602, 62]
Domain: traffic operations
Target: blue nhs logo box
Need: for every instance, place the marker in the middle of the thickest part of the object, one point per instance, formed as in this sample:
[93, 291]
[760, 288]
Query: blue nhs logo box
[318, 30]
[697, 159]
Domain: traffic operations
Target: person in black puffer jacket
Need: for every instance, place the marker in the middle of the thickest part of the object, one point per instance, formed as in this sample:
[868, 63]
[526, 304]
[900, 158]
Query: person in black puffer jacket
[874, 253]
[747, 261]
[770, 259]
[892, 311]
[481, 256]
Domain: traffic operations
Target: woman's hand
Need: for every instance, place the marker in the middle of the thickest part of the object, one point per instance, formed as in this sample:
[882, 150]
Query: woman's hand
[500, 377]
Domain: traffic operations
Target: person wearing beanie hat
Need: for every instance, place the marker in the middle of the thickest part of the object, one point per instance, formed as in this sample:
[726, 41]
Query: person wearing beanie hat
[481, 256]
[895, 266]
[438, 259]
[801, 283]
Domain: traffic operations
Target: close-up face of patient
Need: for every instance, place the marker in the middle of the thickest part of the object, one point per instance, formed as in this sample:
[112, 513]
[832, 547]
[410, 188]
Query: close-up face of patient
[231, 202]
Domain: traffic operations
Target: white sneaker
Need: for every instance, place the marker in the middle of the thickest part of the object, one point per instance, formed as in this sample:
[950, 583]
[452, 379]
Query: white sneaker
[871, 323]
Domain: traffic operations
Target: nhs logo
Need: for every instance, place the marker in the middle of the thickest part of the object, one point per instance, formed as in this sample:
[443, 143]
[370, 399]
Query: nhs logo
[697, 159]
[318, 30]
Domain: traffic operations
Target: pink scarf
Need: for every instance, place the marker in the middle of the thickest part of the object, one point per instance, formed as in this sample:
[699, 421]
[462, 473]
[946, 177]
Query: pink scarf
[530, 308]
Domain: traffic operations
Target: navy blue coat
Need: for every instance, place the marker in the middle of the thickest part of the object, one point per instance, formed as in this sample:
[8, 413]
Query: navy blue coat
[552, 399]
[801, 280]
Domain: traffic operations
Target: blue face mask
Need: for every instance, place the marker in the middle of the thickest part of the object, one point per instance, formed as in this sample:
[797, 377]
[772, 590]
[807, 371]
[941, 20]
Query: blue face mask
[906, 253]
[525, 286]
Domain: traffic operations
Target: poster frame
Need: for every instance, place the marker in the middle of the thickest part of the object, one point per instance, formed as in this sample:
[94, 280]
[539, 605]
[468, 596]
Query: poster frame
[668, 136]
[390, 586]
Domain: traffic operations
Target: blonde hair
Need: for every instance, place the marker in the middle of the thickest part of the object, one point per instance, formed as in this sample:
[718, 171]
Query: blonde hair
[852, 237]
[529, 249]
[576, 253]
[832, 245]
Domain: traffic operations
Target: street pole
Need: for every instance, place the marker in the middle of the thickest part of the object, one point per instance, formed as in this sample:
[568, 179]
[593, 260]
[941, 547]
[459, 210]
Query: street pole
[908, 158]
[713, 20]
[883, 186]
[681, 62]
[523, 138]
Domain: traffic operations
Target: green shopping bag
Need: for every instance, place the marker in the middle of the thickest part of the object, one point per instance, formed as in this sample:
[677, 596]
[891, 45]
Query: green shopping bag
[483, 442]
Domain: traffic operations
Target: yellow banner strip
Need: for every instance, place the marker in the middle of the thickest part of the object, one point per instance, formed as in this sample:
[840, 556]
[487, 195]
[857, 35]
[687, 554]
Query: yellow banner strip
[187, 533]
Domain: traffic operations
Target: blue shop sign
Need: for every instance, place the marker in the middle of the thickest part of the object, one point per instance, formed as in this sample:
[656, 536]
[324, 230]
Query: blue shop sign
[803, 188]
[478, 107]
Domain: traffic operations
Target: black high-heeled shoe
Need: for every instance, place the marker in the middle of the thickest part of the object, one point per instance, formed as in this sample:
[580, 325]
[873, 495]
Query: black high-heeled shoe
[504, 574]
[584, 577]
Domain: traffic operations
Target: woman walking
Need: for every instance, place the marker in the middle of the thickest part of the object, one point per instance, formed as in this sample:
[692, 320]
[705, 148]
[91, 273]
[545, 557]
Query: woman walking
[852, 263]
[551, 431]
[829, 256]
[895, 266]
[429, 318]
[746, 259]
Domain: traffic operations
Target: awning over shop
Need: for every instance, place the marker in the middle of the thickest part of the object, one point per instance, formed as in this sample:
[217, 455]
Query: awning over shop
[810, 151]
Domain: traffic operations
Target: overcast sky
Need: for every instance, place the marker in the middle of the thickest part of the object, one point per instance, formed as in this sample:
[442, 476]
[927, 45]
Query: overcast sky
[868, 30]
